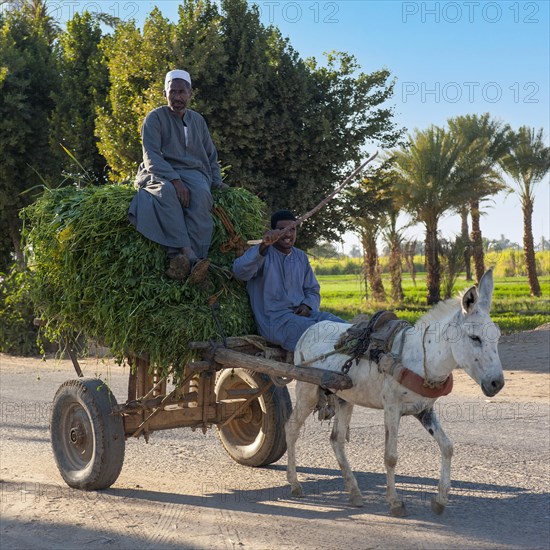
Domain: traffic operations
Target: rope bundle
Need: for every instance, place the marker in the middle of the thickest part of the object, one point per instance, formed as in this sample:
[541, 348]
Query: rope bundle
[235, 241]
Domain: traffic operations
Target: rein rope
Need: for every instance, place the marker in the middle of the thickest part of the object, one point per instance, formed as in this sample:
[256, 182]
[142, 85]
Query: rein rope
[360, 345]
[235, 241]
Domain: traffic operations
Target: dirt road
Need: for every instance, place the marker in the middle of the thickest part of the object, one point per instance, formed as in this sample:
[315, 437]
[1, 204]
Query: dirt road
[182, 490]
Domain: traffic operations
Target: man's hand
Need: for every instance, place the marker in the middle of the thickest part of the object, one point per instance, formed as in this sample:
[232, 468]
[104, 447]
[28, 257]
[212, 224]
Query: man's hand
[269, 238]
[182, 192]
[302, 310]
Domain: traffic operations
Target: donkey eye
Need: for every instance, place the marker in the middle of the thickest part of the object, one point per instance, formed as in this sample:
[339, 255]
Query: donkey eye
[475, 339]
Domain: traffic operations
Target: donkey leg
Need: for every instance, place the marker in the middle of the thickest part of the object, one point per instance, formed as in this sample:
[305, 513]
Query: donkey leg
[429, 420]
[338, 441]
[392, 417]
[307, 396]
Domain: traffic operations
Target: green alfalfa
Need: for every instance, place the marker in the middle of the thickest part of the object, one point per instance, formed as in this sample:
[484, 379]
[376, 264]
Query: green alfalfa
[92, 273]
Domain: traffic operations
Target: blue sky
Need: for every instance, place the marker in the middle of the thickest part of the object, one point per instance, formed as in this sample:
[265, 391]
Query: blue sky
[449, 58]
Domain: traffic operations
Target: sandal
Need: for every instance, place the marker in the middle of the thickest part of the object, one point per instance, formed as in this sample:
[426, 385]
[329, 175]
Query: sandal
[178, 267]
[199, 271]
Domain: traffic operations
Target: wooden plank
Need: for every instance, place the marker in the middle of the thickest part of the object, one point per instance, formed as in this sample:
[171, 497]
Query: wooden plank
[246, 344]
[136, 407]
[199, 366]
[177, 418]
[325, 378]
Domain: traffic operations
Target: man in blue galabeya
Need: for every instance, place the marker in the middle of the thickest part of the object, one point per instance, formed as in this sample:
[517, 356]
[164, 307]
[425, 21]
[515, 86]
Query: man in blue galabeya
[180, 167]
[283, 291]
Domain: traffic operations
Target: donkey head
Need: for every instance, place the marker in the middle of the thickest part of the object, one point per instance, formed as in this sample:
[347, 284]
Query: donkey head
[476, 347]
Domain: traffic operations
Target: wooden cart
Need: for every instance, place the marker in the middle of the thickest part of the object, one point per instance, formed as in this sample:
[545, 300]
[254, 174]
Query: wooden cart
[239, 387]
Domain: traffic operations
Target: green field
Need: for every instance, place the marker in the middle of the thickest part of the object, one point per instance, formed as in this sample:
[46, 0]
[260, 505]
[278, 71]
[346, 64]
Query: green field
[513, 308]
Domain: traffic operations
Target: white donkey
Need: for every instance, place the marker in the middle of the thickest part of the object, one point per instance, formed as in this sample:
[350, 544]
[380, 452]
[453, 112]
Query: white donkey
[455, 333]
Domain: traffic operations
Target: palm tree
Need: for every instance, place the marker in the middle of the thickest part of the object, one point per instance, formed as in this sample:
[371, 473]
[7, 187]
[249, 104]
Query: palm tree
[366, 207]
[428, 187]
[452, 255]
[484, 141]
[527, 163]
[394, 238]
[465, 236]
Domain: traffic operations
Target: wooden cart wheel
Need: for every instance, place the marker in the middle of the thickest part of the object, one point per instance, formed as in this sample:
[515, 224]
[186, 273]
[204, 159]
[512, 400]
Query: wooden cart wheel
[87, 440]
[258, 437]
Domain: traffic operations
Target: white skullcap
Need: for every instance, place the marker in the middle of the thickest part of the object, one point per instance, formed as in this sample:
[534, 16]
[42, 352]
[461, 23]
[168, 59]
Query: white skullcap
[172, 75]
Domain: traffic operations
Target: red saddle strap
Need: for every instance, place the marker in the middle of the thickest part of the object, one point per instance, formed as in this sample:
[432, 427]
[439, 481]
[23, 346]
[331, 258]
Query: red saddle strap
[415, 383]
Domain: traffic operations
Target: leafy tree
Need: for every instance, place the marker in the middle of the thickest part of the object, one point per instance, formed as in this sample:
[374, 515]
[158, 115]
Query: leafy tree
[27, 78]
[428, 187]
[83, 89]
[347, 108]
[483, 142]
[136, 65]
[199, 48]
[289, 129]
[527, 163]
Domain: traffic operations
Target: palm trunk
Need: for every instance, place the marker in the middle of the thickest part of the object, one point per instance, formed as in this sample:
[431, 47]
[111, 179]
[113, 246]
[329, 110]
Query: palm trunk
[410, 249]
[464, 230]
[372, 268]
[477, 242]
[529, 247]
[365, 275]
[433, 270]
[396, 270]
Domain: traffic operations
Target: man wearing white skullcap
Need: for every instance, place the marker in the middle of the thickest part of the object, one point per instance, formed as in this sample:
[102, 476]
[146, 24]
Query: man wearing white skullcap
[173, 75]
[180, 166]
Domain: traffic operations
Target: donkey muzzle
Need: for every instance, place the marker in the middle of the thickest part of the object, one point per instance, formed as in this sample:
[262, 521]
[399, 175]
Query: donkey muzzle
[492, 385]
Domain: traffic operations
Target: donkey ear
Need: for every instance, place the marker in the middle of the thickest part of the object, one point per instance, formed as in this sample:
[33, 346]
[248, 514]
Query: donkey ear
[485, 290]
[469, 299]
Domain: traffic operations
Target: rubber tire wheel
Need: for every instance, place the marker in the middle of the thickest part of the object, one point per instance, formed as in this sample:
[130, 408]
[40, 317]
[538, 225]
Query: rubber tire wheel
[87, 440]
[258, 439]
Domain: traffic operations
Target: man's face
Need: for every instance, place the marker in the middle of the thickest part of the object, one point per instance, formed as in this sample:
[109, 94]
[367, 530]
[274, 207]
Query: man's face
[179, 95]
[285, 244]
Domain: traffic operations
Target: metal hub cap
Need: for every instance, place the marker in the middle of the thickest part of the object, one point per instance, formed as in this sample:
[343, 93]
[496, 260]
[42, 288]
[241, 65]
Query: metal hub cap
[77, 435]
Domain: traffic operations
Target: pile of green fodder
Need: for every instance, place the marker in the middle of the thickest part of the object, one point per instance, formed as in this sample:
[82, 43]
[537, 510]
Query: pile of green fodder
[93, 273]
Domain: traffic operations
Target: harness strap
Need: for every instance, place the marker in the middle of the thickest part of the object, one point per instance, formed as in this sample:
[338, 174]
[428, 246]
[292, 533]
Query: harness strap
[391, 365]
[416, 383]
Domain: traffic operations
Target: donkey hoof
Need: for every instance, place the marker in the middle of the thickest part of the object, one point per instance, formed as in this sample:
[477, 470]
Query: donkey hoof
[297, 491]
[398, 511]
[436, 507]
[356, 501]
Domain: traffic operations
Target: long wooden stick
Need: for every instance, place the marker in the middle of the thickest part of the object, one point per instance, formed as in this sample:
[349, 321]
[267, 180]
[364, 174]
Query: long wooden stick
[323, 203]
